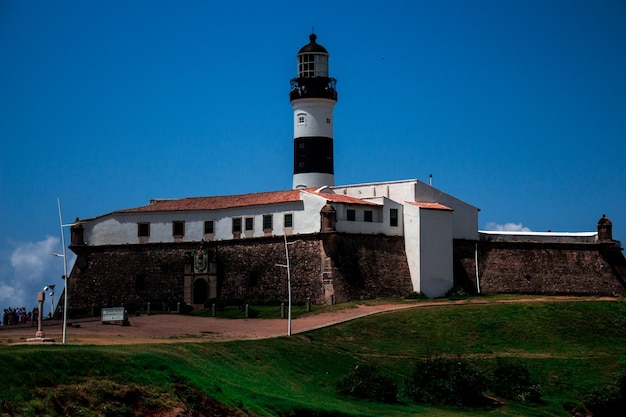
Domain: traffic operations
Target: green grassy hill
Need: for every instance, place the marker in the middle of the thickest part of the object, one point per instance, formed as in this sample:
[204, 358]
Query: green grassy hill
[571, 349]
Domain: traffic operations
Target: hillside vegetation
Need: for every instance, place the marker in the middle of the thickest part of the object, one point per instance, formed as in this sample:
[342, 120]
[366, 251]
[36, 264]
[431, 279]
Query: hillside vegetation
[572, 350]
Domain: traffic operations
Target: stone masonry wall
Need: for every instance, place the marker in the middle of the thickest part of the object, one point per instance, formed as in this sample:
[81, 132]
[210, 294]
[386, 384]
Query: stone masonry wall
[540, 268]
[347, 266]
[247, 269]
[362, 267]
[368, 266]
[129, 275]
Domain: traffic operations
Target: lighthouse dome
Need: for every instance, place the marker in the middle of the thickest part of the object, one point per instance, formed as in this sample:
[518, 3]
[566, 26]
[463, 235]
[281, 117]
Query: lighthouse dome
[313, 47]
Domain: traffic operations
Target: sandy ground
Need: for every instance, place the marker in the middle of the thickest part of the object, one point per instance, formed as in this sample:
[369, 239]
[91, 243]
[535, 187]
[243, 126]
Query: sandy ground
[172, 328]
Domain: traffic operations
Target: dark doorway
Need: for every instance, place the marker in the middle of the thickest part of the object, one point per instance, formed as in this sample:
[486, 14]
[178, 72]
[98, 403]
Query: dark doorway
[200, 291]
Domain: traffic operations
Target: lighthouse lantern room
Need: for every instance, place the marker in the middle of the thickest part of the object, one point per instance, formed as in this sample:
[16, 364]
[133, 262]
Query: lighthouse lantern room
[313, 97]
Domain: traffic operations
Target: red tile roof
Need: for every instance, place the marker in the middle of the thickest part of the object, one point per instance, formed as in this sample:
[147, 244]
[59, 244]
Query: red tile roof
[340, 198]
[218, 202]
[431, 206]
[240, 200]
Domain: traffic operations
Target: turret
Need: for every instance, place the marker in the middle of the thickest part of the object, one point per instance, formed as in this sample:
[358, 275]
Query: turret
[313, 97]
[605, 229]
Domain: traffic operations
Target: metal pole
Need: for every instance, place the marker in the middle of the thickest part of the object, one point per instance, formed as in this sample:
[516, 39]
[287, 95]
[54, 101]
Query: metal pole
[476, 262]
[288, 287]
[65, 279]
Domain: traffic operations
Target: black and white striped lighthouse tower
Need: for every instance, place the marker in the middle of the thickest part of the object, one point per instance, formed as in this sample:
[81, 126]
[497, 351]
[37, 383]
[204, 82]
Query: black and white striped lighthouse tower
[313, 97]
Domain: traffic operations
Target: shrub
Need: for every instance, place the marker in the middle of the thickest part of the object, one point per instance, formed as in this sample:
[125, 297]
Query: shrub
[609, 400]
[604, 402]
[513, 382]
[445, 381]
[366, 382]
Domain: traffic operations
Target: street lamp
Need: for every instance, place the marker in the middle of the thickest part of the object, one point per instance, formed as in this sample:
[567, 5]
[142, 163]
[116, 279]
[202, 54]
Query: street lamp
[65, 277]
[51, 288]
[288, 282]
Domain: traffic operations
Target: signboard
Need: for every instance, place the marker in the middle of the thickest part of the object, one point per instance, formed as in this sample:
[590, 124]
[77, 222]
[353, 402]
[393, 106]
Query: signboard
[115, 314]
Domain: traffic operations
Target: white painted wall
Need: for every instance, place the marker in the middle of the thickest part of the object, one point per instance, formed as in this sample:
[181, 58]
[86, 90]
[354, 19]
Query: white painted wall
[359, 226]
[400, 191]
[412, 243]
[465, 216]
[381, 218]
[436, 268]
[316, 111]
[428, 246]
[305, 179]
[544, 237]
[121, 228]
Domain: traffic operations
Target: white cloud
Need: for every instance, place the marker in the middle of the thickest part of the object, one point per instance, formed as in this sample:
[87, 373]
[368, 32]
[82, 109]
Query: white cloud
[31, 267]
[30, 260]
[507, 227]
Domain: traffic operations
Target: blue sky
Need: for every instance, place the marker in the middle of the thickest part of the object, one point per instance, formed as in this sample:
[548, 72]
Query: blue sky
[517, 107]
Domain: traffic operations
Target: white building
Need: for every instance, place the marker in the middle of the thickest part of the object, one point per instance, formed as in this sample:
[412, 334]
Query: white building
[427, 218]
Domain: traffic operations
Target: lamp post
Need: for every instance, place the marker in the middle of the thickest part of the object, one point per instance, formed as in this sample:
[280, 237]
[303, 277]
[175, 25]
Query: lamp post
[51, 288]
[288, 282]
[65, 277]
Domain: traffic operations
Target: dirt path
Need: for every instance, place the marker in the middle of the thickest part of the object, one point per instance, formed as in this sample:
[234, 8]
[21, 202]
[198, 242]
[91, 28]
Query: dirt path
[171, 328]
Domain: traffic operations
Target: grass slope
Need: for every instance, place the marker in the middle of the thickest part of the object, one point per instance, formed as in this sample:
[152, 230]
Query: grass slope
[571, 348]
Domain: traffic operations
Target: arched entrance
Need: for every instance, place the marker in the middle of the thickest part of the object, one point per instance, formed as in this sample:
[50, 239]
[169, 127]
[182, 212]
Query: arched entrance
[200, 291]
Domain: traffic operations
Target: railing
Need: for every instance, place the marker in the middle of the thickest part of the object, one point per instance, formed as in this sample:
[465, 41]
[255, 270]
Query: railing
[318, 87]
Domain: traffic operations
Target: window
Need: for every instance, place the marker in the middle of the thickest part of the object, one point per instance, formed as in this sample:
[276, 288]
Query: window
[312, 65]
[368, 216]
[253, 278]
[289, 220]
[249, 223]
[208, 227]
[143, 229]
[301, 118]
[306, 67]
[178, 228]
[140, 282]
[393, 217]
[328, 120]
[351, 214]
[237, 225]
[267, 222]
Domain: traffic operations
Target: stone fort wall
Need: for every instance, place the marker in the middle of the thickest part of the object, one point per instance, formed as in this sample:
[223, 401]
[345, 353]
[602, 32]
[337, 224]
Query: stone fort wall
[324, 267]
[337, 267]
[541, 268]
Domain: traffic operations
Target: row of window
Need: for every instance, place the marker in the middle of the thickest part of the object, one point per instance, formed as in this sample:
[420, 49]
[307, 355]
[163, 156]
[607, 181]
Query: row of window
[302, 120]
[178, 227]
[247, 223]
[368, 216]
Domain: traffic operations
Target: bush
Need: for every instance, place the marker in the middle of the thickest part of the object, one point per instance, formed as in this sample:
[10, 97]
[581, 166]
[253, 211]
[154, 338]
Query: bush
[366, 382]
[604, 402]
[513, 382]
[446, 382]
[609, 400]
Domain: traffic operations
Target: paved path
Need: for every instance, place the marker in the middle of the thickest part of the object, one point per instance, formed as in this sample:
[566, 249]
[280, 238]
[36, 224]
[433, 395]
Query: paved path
[170, 328]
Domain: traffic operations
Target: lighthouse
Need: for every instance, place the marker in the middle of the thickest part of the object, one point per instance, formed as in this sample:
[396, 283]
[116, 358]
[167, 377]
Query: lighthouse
[313, 97]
